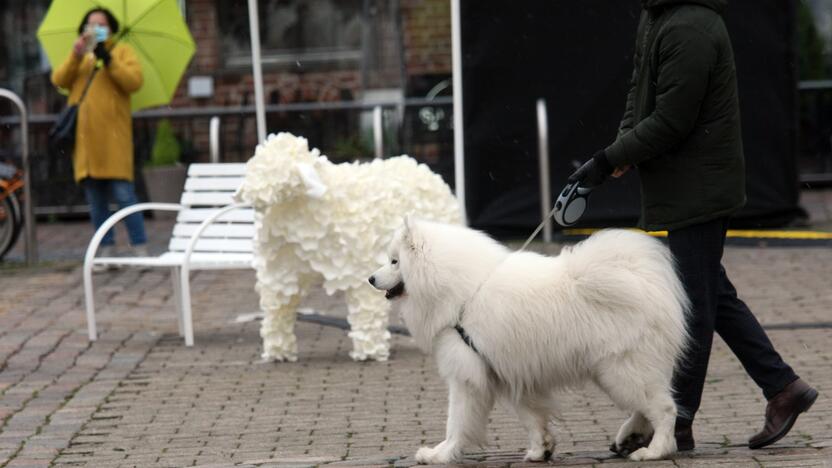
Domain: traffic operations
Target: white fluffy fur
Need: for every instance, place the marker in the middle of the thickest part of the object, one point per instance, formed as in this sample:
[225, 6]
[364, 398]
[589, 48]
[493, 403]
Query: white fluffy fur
[609, 310]
[318, 221]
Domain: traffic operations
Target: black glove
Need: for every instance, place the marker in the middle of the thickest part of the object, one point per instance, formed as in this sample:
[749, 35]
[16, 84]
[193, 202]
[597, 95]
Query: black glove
[594, 172]
[101, 52]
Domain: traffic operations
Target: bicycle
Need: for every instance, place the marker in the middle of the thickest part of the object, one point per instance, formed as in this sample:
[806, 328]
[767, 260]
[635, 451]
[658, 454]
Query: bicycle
[11, 215]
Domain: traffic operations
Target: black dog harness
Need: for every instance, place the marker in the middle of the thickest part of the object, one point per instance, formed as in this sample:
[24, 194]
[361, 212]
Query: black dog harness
[467, 339]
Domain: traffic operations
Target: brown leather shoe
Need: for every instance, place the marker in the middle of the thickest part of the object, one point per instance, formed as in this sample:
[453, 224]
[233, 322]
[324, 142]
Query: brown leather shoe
[782, 411]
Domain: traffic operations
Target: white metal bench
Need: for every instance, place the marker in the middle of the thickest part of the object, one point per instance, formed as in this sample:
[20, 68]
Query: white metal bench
[211, 232]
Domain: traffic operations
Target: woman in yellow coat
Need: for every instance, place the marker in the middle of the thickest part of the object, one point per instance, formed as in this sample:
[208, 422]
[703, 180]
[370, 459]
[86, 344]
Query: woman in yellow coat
[103, 156]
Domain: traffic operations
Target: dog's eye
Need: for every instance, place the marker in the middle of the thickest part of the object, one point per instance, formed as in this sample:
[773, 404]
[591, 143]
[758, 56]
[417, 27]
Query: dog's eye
[394, 261]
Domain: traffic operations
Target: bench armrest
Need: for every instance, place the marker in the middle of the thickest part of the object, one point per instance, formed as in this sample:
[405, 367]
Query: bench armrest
[186, 260]
[118, 216]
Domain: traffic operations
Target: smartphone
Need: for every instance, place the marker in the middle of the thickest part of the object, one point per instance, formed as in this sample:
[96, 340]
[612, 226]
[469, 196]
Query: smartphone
[89, 38]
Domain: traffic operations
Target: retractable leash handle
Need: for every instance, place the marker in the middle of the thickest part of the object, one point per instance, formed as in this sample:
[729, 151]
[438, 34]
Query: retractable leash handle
[569, 208]
[571, 204]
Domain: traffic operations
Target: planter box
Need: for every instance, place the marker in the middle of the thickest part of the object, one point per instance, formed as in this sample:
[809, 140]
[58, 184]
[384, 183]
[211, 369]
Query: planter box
[164, 184]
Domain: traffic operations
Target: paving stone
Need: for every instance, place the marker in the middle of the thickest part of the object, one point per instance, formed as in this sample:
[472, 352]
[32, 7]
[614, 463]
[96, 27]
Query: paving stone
[138, 397]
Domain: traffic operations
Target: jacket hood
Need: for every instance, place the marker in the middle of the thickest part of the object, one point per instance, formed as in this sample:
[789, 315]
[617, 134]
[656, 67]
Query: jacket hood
[718, 6]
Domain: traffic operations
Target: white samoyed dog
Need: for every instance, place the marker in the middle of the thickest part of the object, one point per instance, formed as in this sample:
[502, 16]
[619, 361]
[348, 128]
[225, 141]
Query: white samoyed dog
[517, 326]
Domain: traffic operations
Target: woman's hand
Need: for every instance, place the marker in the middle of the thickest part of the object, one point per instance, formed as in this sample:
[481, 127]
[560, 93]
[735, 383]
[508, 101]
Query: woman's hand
[80, 46]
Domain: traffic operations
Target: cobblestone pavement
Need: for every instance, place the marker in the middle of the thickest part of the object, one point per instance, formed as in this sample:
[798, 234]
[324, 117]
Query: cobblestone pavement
[137, 397]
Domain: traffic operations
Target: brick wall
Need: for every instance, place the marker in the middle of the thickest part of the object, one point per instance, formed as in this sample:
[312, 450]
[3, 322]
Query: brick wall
[235, 87]
[384, 57]
[421, 47]
[202, 21]
[426, 29]
[425, 39]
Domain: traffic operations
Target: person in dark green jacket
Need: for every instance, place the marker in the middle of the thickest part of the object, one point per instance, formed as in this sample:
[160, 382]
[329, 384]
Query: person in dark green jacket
[681, 129]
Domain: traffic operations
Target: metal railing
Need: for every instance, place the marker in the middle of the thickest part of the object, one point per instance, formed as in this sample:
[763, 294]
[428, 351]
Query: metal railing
[815, 152]
[543, 158]
[343, 130]
[378, 135]
[378, 132]
[214, 139]
[249, 110]
[29, 221]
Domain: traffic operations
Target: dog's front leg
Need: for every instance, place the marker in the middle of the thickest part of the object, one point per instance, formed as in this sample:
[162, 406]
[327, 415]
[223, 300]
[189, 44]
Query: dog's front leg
[468, 410]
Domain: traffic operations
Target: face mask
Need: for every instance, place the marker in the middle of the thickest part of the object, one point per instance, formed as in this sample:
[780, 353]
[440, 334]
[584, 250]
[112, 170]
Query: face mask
[101, 33]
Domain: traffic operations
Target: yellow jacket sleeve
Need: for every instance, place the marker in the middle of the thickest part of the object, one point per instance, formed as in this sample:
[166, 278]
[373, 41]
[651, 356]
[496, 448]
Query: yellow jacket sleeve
[125, 69]
[65, 74]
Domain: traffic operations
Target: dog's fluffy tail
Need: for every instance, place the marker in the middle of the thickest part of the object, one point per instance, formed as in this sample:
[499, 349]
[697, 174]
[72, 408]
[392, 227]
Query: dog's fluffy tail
[629, 272]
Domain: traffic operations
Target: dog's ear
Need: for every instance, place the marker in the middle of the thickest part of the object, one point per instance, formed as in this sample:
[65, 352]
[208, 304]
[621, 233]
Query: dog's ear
[411, 232]
[315, 187]
[408, 222]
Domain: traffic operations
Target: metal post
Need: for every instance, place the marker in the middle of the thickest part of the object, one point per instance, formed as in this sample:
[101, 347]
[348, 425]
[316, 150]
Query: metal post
[459, 140]
[257, 70]
[543, 158]
[29, 222]
[214, 139]
[378, 131]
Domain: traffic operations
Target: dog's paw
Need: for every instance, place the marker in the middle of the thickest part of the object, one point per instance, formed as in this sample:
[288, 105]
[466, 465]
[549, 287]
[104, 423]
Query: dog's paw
[427, 456]
[423, 454]
[434, 456]
[630, 444]
[538, 452]
[537, 455]
[644, 454]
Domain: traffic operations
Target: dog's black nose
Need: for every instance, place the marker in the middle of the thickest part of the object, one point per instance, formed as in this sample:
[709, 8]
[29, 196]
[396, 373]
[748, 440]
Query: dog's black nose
[372, 280]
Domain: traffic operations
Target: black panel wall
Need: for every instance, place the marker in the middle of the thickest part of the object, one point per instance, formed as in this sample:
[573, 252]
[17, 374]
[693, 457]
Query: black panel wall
[578, 57]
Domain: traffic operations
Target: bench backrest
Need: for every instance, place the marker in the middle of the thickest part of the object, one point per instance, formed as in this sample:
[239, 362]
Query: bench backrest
[208, 188]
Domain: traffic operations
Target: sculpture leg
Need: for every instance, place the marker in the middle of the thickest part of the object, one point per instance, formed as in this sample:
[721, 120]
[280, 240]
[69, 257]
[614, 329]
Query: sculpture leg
[280, 285]
[278, 328]
[368, 317]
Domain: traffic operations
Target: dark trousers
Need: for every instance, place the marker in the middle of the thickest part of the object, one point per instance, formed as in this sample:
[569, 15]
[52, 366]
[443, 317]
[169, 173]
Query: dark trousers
[99, 192]
[716, 307]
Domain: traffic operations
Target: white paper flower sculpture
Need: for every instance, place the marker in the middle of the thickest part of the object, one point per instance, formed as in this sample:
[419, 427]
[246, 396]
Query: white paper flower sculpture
[317, 220]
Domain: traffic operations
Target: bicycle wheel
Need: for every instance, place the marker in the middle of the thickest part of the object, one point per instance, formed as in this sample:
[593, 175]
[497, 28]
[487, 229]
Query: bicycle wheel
[10, 221]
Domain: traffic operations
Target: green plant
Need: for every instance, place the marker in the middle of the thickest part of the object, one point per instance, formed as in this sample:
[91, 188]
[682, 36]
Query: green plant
[166, 148]
[351, 148]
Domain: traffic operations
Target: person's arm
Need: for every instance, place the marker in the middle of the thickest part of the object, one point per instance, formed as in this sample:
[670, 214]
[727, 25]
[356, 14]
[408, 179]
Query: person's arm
[686, 56]
[125, 69]
[627, 119]
[65, 74]
[626, 123]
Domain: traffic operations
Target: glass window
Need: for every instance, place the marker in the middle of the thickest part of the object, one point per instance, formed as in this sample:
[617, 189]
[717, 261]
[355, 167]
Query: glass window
[292, 31]
[815, 37]
[20, 53]
[815, 104]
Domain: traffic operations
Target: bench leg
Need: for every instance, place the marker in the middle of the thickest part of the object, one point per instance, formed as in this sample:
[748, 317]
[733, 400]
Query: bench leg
[177, 297]
[183, 279]
[89, 301]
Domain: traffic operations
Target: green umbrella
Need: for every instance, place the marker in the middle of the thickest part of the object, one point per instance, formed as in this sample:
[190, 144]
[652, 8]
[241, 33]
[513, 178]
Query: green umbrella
[153, 28]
